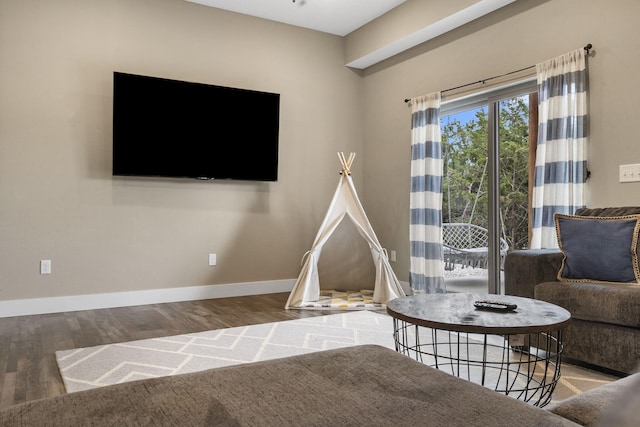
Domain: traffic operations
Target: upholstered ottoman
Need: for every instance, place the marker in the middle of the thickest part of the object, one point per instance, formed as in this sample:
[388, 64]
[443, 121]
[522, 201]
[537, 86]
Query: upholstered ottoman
[355, 386]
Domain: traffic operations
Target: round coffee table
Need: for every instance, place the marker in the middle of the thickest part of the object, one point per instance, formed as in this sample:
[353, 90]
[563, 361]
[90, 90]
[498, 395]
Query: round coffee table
[516, 352]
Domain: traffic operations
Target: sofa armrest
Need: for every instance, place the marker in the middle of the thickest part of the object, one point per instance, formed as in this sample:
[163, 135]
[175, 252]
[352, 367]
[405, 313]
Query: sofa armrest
[612, 404]
[524, 269]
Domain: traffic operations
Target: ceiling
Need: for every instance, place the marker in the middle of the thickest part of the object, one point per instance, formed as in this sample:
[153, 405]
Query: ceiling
[339, 17]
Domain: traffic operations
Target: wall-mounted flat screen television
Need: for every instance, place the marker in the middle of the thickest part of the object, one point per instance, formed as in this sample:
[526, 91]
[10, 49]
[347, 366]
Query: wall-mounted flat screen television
[172, 128]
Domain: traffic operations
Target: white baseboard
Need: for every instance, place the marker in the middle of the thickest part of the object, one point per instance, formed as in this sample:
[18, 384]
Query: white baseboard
[32, 306]
[26, 307]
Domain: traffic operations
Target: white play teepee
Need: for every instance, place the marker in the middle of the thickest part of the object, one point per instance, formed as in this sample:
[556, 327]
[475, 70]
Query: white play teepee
[345, 202]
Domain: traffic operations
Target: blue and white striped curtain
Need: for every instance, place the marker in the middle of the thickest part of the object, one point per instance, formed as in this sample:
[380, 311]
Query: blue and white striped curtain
[561, 162]
[425, 233]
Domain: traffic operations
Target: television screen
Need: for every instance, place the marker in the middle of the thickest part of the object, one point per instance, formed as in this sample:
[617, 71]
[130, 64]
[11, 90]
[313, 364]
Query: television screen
[171, 128]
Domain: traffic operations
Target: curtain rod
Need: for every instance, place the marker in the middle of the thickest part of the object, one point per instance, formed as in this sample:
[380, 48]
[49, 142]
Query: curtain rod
[587, 48]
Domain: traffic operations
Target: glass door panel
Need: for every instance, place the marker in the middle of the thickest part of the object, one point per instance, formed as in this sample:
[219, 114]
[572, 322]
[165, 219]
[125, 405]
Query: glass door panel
[485, 192]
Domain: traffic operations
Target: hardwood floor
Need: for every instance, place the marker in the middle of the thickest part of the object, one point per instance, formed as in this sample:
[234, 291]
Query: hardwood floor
[28, 368]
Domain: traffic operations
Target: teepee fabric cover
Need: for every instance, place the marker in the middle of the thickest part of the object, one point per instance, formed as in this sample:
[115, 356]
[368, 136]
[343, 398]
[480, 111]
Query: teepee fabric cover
[345, 202]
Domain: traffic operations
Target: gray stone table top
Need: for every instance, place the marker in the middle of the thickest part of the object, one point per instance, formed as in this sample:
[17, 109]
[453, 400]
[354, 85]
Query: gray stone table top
[456, 312]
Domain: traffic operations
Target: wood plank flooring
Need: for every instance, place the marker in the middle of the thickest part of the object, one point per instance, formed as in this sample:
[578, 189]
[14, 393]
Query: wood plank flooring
[28, 368]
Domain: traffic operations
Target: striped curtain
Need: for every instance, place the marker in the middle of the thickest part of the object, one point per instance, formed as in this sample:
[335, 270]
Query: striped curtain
[561, 163]
[425, 233]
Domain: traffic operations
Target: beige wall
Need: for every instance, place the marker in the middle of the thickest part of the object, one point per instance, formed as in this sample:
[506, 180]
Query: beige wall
[58, 199]
[517, 36]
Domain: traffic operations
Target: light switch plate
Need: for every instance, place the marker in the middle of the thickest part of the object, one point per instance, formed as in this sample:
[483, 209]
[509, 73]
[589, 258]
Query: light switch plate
[630, 173]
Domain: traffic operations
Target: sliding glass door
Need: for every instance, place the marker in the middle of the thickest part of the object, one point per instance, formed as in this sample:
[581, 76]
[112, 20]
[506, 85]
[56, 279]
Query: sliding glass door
[486, 150]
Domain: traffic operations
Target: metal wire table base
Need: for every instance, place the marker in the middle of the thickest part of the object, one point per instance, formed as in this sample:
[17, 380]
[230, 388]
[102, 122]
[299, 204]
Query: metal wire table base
[524, 366]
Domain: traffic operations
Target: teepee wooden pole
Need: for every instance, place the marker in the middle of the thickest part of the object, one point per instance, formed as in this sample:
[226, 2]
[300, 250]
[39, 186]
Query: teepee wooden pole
[346, 163]
[352, 156]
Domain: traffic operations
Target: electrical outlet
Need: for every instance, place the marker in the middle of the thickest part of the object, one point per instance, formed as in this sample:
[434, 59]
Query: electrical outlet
[45, 266]
[517, 340]
[212, 259]
[393, 256]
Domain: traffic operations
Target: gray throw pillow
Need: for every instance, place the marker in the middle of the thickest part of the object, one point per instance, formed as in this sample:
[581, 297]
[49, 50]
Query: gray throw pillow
[598, 249]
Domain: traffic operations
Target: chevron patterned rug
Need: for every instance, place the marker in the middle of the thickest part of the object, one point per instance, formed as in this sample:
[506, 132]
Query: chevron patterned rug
[92, 367]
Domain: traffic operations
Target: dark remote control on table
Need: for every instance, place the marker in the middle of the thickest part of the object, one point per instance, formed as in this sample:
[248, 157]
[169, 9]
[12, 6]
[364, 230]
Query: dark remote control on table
[495, 305]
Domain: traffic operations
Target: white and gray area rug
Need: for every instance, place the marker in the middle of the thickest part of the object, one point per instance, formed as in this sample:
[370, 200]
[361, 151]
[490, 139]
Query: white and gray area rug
[92, 367]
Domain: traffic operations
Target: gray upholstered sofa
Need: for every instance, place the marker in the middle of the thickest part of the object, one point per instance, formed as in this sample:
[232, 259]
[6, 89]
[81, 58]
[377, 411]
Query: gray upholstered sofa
[363, 385]
[605, 326]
